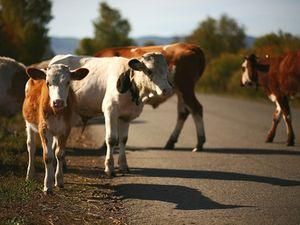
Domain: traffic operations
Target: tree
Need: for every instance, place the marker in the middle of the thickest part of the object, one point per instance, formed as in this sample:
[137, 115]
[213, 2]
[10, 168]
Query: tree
[23, 29]
[275, 44]
[110, 30]
[218, 36]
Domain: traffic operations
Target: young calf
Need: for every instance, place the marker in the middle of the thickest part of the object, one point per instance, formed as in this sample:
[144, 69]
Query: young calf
[47, 109]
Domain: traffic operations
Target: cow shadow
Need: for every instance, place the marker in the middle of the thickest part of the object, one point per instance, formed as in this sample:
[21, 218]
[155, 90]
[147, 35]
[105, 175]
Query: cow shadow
[241, 151]
[212, 175]
[184, 198]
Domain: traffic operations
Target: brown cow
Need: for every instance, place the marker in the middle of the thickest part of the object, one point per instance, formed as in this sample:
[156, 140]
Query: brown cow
[186, 64]
[47, 110]
[280, 79]
[12, 82]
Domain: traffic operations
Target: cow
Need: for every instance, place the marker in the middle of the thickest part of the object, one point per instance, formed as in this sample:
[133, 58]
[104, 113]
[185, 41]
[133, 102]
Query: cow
[117, 88]
[47, 110]
[186, 63]
[12, 79]
[280, 79]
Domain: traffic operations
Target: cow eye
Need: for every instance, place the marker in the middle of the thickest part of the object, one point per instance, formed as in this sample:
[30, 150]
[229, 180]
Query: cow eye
[47, 83]
[68, 83]
[243, 69]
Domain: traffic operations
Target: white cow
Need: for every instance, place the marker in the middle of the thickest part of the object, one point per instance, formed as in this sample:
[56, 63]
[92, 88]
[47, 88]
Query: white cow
[12, 83]
[117, 88]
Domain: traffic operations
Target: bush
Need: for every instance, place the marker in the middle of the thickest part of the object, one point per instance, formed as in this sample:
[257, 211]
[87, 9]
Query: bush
[219, 72]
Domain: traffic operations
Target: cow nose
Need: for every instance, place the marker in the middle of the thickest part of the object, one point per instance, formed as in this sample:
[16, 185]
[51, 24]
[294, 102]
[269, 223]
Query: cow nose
[58, 103]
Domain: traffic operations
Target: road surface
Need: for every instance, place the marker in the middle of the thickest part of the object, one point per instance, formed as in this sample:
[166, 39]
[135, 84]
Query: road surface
[237, 179]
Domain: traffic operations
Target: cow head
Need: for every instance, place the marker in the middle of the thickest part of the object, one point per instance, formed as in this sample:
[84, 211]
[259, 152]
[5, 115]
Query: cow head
[250, 68]
[149, 74]
[57, 78]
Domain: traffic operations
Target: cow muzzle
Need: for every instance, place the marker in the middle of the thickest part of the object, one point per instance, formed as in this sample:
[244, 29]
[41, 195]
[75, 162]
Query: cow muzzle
[58, 104]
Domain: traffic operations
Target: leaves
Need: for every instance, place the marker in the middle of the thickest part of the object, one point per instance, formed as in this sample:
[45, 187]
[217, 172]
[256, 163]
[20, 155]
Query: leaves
[23, 29]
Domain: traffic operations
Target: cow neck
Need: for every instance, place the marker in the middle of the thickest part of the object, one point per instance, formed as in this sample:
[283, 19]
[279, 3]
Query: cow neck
[262, 71]
[134, 91]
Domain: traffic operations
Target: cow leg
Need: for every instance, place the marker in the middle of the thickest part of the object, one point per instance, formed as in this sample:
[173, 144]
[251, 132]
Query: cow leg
[31, 147]
[59, 154]
[182, 114]
[288, 121]
[196, 110]
[111, 138]
[64, 162]
[276, 119]
[123, 136]
[48, 157]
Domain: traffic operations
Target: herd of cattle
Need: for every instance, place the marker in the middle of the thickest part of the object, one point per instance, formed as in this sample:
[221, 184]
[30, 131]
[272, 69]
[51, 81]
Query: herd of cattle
[116, 83]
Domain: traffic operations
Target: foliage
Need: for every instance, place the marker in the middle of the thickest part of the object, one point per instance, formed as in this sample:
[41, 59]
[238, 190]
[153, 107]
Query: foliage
[218, 73]
[23, 31]
[218, 36]
[276, 44]
[110, 30]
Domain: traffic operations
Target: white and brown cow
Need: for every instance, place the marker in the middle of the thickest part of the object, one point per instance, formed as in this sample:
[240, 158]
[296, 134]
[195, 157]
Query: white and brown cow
[280, 79]
[12, 82]
[47, 110]
[117, 88]
[186, 63]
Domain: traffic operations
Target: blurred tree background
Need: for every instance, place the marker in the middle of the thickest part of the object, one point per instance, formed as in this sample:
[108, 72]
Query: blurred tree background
[23, 29]
[110, 30]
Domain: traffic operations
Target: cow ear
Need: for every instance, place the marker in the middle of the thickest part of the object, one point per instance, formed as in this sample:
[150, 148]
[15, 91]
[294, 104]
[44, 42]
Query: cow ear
[136, 65]
[36, 74]
[79, 74]
[124, 83]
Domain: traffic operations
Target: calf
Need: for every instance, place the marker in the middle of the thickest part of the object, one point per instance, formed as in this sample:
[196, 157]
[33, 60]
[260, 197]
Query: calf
[12, 79]
[117, 88]
[47, 110]
[280, 79]
[186, 64]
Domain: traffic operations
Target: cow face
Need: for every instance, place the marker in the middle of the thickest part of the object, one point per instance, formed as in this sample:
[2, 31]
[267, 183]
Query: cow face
[249, 76]
[152, 78]
[57, 78]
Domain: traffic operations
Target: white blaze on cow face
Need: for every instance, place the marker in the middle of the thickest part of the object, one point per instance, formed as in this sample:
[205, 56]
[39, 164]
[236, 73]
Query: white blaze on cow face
[155, 83]
[58, 81]
[57, 77]
[245, 76]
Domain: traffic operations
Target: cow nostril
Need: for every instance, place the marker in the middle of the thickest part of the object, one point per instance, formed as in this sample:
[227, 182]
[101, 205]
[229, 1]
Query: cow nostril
[166, 91]
[58, 103]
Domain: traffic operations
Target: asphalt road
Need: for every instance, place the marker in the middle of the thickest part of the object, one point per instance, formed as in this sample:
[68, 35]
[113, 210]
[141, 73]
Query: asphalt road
[237, 179]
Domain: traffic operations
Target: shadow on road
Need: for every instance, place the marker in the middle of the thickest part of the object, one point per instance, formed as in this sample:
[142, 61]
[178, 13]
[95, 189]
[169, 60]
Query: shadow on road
[185, 198]
[246, 151]
[84, 152]
[212, 175]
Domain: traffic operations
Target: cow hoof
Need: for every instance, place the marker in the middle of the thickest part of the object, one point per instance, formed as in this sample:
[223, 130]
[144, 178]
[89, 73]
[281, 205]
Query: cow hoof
[198, 148]
[103, 147]
[48, 193]
[290, 143]
[124, 170]
[110, 174]
[269, 139]
[170, 145]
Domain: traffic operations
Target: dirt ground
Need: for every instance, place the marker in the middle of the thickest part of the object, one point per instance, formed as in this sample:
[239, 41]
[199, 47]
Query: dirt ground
[86, 199]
